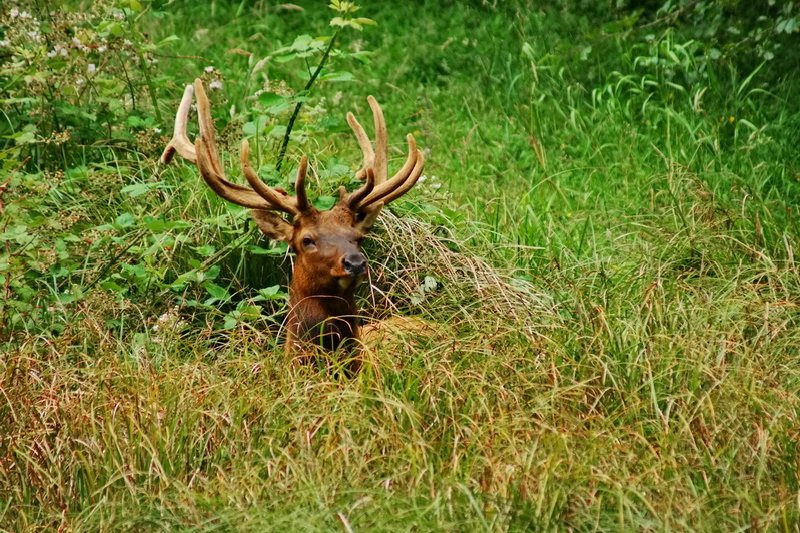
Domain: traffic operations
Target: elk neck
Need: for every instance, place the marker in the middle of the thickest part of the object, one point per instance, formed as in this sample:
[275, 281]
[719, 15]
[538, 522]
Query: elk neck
[322, 312]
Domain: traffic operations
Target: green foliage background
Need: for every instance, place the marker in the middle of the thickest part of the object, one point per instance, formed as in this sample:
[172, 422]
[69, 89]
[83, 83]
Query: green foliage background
[604, 240]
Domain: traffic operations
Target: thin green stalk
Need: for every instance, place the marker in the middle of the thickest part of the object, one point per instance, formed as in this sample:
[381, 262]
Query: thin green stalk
[297, 107]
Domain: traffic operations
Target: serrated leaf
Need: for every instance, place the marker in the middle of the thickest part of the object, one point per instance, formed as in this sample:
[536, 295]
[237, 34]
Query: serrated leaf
[138, 189]
[272, 293]
[302, 43]
[323, 203]
[248, 312]
[216, 291]
[205, 250]
[270, 99]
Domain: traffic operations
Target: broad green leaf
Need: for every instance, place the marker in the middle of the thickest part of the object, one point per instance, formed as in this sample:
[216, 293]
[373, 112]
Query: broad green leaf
[125, 220]
[216, 291]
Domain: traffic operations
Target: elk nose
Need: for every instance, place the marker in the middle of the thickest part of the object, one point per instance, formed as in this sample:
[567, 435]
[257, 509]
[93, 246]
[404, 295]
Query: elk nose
[354, 264]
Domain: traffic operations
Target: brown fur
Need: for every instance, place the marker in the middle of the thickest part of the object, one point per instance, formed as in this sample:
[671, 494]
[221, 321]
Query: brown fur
[322, 310]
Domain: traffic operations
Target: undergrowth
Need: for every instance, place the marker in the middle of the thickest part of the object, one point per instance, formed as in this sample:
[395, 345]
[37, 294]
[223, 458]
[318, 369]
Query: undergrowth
[598, 267]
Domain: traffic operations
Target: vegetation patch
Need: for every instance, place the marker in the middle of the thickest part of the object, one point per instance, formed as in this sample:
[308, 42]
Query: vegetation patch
[585, 315]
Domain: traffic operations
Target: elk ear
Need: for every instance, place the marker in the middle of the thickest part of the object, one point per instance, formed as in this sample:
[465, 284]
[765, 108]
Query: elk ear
[367, 218]
[273, 225]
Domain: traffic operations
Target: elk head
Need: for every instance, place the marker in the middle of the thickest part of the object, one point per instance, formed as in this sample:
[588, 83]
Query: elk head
[329, 262]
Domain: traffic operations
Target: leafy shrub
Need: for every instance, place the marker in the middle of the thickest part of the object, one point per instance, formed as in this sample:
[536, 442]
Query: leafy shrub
[74, 80]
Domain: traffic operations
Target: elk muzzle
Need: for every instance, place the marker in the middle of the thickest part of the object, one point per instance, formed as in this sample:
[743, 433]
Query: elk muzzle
[354, 264]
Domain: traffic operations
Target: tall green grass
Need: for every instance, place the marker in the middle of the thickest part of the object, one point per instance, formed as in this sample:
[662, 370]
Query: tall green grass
[603, 249]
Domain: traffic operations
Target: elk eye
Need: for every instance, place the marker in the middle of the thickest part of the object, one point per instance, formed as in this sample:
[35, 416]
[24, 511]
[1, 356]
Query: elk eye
[308, 241]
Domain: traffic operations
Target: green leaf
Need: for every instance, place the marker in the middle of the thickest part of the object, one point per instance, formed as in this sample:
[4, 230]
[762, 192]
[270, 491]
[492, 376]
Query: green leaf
[277, 131]
[258, 250]
[112, 286]
[136, 271]
[272, 293]
[324, 203]
[269, 99]
[138, 189]
[337, 76]
[285, 58]
[125, 220]
[302, 43]
[248, 312]
[249, 129]
[216, 291]
[205, 250]
[26, 136]
[167, 40]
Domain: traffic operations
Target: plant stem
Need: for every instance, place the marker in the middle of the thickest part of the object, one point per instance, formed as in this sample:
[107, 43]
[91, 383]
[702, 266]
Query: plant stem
[297, 106]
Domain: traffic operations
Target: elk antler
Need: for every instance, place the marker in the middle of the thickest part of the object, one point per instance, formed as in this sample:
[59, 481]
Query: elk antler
[205, 155]
[374, 196]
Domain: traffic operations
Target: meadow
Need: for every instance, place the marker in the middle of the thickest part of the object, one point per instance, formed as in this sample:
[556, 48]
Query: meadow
[601, 253]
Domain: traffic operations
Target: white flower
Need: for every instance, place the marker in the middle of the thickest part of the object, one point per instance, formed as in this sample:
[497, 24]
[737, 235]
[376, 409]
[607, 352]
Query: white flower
[24, 15]
[77, 42]
[157, 130]
[101, 49]
[33, 35]
[209, 69]
[5, 43]
[91, 68]
[215, 85]
[58, 50]
[119, 15]
[126, 42]
[14, 12]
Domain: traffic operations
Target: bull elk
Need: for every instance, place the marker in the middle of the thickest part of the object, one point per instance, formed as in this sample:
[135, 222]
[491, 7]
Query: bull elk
[329, 262]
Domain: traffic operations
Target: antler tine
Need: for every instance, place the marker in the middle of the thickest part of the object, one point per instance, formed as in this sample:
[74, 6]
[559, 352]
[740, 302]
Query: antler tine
[395, 193]
[364, 143]
[180, 141]
[377, 158]
[384, 189]
[206, 122]
[353, 199]
[273, 198]
[381, 165]
[227, 190]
